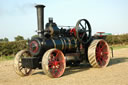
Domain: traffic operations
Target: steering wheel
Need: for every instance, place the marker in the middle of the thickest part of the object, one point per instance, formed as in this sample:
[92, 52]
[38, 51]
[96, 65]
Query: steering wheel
[83, 31]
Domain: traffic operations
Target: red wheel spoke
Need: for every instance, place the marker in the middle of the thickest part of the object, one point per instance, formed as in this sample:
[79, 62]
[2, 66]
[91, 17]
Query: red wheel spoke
[97, 57]
[51, 62]
[50, 66]
[98, 48]
[98, 54]
[104, 58]
[100, 45]
[53, 71]
[99, 60]
[62, 61]
[57, 56]
[105, 52]
[58, 70]
[103, 46]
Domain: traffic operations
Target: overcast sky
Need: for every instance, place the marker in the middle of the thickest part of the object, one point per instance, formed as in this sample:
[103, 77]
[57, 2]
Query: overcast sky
[18, 17]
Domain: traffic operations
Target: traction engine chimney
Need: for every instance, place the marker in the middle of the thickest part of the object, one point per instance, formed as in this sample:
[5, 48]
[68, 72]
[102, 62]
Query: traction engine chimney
[40, 19]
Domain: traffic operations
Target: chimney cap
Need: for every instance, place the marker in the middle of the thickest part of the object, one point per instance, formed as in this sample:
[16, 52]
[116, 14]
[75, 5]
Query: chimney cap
[39, 5]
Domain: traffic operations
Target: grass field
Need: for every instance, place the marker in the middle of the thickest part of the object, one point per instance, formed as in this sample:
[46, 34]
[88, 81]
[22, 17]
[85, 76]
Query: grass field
[116, 47]
[3, 58]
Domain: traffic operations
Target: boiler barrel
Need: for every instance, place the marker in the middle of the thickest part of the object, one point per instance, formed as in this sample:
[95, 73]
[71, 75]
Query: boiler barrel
[65, 44]
[38, 46]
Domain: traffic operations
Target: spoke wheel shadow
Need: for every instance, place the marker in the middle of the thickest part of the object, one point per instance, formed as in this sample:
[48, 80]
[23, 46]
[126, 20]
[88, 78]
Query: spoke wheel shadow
[75, 69]
[114, 61]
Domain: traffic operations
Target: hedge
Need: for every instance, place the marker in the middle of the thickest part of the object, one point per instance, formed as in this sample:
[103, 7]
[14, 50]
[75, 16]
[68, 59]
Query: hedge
[117, 39]
[11, 48]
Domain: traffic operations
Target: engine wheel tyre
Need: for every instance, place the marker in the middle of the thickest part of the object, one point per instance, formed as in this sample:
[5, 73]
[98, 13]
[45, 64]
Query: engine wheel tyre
[53, 63]
[98, 53]
[18, 65]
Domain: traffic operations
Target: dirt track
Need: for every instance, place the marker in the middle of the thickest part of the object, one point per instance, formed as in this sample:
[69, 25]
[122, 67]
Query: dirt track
[115, 74]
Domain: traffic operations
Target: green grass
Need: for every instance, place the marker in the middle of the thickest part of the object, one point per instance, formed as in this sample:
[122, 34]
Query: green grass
[3, 58]
[116, 47]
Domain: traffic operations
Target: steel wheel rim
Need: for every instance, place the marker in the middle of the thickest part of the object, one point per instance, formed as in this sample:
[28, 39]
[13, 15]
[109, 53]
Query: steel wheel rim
[102, 53]
[18, 65]
[56, 63]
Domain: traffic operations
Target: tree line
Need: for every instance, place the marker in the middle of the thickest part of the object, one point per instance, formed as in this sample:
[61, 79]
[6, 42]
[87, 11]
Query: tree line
[17, 38]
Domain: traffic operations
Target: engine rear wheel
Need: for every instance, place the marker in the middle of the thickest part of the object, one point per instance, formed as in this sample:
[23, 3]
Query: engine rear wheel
[53, 63]
[18, 65]
[98, 53]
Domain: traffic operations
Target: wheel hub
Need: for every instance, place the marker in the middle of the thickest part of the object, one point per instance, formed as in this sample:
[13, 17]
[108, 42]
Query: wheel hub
[34, 46]
[56, 63]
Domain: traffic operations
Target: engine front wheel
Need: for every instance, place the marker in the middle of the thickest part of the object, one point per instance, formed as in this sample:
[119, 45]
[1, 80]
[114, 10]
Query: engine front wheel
[53, 63]
[98, 53]
[18, 65]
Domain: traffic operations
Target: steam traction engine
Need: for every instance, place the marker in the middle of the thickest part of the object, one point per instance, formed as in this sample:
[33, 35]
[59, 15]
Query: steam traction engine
[56, 48]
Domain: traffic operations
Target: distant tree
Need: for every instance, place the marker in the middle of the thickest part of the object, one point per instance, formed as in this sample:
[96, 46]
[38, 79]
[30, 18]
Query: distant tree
[1, 40]
[18, 38]
[34, 36]
[6, 39]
